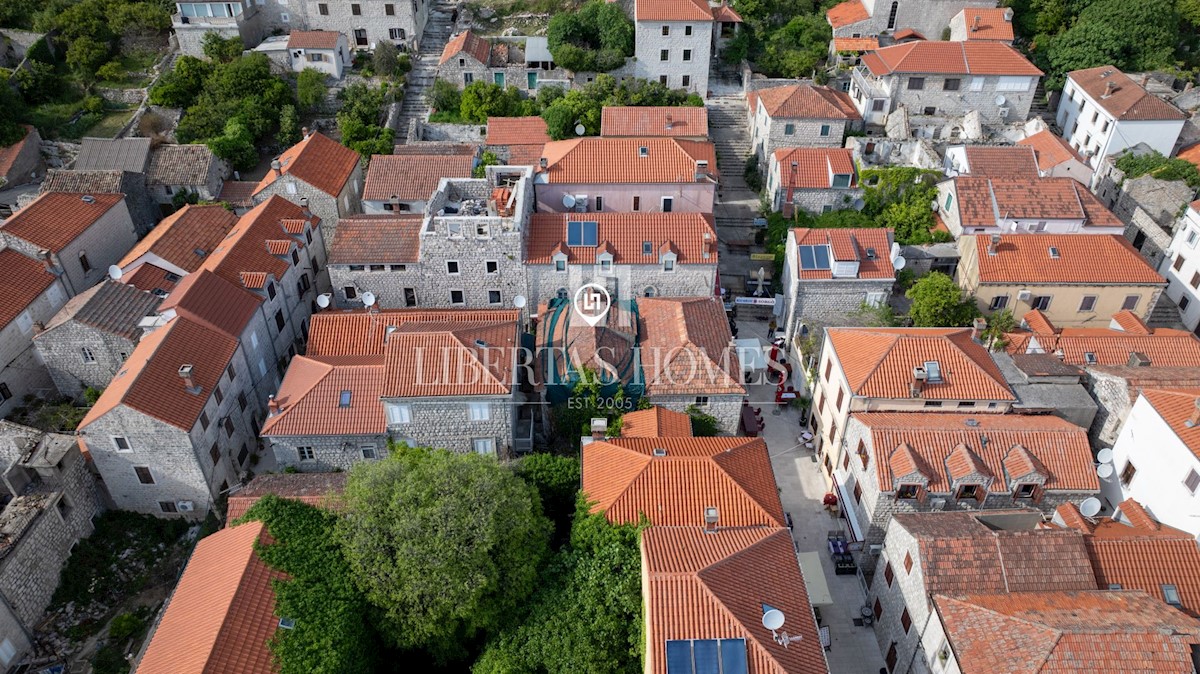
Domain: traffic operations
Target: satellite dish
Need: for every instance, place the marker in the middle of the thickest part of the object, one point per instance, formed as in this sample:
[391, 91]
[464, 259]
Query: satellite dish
[773, 619]
[899, 263]
[114, 272]
[1104, 471]
[858, 204]
[1090, 507]
[1001, 100]
[569, 200]
[933, 206]
[519, 301]
[1104, 455]
[368, 299]
[323, 300]
[580, 129]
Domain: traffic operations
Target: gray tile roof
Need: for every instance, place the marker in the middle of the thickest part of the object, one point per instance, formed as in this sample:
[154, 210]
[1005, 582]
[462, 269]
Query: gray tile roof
[180, 165]
[107, 154]
[111, 306]
[84, 182]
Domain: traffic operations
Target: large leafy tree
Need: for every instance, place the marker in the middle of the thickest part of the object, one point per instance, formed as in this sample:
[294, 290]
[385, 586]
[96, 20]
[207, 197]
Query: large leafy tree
[556, 479]
[937, 301]
[598, 37]
[359, 119]
[447, 546]
[1133, 36]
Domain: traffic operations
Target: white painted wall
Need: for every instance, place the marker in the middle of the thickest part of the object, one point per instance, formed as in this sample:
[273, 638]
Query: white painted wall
[1099, 133]
[1179, 286]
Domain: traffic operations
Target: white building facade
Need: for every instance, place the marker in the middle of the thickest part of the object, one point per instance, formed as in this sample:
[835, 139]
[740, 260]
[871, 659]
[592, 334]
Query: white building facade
[1181, 267]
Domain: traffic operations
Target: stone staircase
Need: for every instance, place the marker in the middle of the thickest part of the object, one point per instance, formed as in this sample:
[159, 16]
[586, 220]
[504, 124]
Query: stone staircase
[1165, 314]
[736, 204]
[1040, 106]
[728, 131]
[437, 33]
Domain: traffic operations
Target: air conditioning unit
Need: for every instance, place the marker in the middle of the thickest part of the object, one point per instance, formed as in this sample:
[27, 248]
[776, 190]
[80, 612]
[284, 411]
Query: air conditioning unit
[876, 549]
[1024, 295]
[184, 506]
[1003, 112]
[937, 504]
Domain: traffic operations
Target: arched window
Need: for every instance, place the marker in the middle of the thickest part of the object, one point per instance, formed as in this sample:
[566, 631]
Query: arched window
[892, 16]
[650, 291]
[562, 294]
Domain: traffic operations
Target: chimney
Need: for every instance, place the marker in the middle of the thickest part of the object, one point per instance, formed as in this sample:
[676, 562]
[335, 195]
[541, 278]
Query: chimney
[1060, 354]
[47, 261]
[1109, 88]
[977, 327]
[543, 163]
[304, 132]
[1008, 14]
[1195, 417]
[599, 428]
[975, 24]
[276, 167]
[994, 244]
[1145, 79]
[917, 385]
[185, 373]
[711, 517]
[1138, 359]
[272, 405]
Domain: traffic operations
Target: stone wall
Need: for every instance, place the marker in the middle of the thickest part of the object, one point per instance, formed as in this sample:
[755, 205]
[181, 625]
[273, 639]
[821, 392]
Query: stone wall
[726, 408]
[829, 303]
[770, 133]
[905, 592]
[633, 281]
[20, 368]
[1111, 393]
[818, 201]
[952, 104]
[61, 348]
[649, 42]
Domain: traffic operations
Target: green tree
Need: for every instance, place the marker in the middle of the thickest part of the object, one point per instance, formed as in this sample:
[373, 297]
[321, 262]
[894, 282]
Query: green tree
[488, 158]
[386, 58]
[1158, 166]
[359, 120]
[937, 301]
[443, 97]
[85, 56]
[481, 100]
[598, 37]
[446, 546]
[910, 220]
[875, 316]
[310, 88]
[235, 145]
[289, 126]
[1133, 36]
[999, 324]
[588, 401]
[221, 49]
[37, 81]
[703, 425]
[795, 49]
[180, 87]
[556, 479]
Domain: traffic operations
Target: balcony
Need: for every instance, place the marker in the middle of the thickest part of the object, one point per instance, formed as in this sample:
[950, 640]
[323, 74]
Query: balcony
[211, 14]
[868, 84]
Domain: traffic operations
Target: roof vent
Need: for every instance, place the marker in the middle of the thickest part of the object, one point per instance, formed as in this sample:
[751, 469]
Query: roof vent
[199, 252]
[643, 151]
[711, 517]
[659, 451]
[185, 373]
[1193, 420]
[1109, 88]
[481, 344]
[88, 199]
[1138, 359]
[973, 423]
[871, 254]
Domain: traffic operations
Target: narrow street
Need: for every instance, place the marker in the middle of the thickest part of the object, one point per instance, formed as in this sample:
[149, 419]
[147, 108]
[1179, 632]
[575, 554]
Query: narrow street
[737, 205]
[437, 33]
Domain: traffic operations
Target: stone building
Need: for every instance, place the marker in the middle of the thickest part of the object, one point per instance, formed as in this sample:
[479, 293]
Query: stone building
[90, 338]
[673, 43]
[142, 208]
[404, 182]
[991, 161]
[627, 175]
[799, 115]
[814, 179]
[440, 378]
[633, 254]
[113, 154]
[320, 175]
[1150, 209]
[469, 58]
[32, 295]
[927, 18]
[191, 169]
[945, 80]
[647, 121]
[79, 235]
[1115, 388]
[517, 141]
[193, 20]
[983, 23]
[974, 204]
[830, 274]
[50, 500]
[21, 163]
[1056, 158]
[377, 254]
[1103, 111]
[178, 246]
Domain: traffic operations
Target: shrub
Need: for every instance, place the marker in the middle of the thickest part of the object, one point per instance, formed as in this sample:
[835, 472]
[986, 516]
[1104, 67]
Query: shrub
[124, 626]
[310, 88]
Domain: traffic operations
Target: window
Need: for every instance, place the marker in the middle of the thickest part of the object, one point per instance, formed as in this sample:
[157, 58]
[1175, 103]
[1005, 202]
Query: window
[1025, 491]
[857, 493]
[1041, 302]
[144, 475]
[908, 562]
[828, 368]
[1130, 303]
[1192, 236]
[84, 263]
[315, 58]
[666, 30]
[168, 507]
[701, 401]
[968, 491]
[599, 203]
[664, 55]
[479, 411]
[668, 264]
[122, 444]
[230, 372]
[905, 621]
[1195, 282]
[825, 130]
[929, 110]
[1088, 303]
[650, 291]
[1179, 260]
[933, 403]
[493, 297]
[531, 80]
[389, 10]
[1184, 302]
[562, 294]
[892, 15]
[344, 398]
[999, 302]
[204, 420]
[485, 446]
[888, 574]
[356, 9]
[687, 54]
[467, 77]
[214, 453]
[916, 83]
[228, 427]
[367, 451]
[451, 266]
[662, 80]
[323, 9]
[279, 322]
[862, 454]
[1171, 595]
[491, 267]
[686, 80]
[242, 403]
[360, 37]
[687, 30]
[1192, 481]
[88, 356]
[668, 204]
[399, 414]
[789, 129]
[218, 394]
[877, 104]
[306, 453]
[878, 609]
[951, 84]
[908, 491]
[840, 396]
[560, 265]
[1127, 473]
[351, 292]
[456, 297]
[637, 203]
[243, 454]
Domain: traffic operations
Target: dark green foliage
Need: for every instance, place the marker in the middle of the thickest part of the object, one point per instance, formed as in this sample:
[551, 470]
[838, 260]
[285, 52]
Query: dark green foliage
[901, 198]
[221, 49]
[597, 38]
[125, 625]
[38, 82]
[587, 613]
[91, 395]
[703, 425]
[481, 100]
[488, 158]
[91, 30]
[310, 88]
[1133, 36]
[1158, 166]
[999, 325]
[583, 106]
[110, 660]
[447, 546]
[572, 418]
[180, 87]
[937, 301]
[443, 97]
[386, 59]
[360, 119]
[795, 49]
[183, 198]
[333, 632]
[556, 479]
[289, 126]
[753, 176]
[235, 145]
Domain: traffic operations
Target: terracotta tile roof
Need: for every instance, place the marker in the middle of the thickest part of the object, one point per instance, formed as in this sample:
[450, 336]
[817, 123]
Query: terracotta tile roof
[1059, 445]
[244, 249]
[1165, 347]
[9, 153]
[656, 422]
[1074, 632]
[1096, 260]
[1128, 322]
[687, 347]
[907, 34]
[180, 165]
[466, 41]
[963, 463]
[357, 333]
[109, 306]
[987, 23]
[525, 155]
[617, 160]
[238, 192]
[846, 13]
[465, 359]
[316, 489]
[813, 168]
[804, 101]
[950, 58]
[713, 586]
[151, 278]
[309, 399]
[517, 131]
[1012, 161]
[723, 13]
[626, 479]
[180, 235]
[858, 44]
[879, 362]
[313, 39]
[1191, 154]
[1177, 407]
[1050, 150]
[1128, 100]
[1038, 323]
[996, 551]
[113, 154]
[216, 303]
[23, 281]
[323, 163]
[693, 235]
[55, 219]
[983, 200]
[222, 613]
[649, 121]
[378, 239]
[149, 380]
[847, 245]
[672, 10]
[412, 177]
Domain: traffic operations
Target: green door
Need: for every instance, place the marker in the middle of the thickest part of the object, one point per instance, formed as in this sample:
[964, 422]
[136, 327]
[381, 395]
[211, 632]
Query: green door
[532, 77]
[499, 78]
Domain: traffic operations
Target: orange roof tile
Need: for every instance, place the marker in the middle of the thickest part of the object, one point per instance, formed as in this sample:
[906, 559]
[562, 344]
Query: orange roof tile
[813, 168]
[517, 131]
[713, 586]
[618, 160]
[1096, 260]
[988, 23]
[358, 333]
[950, 58]
[1127, 100]
[9, 154]
[804, 101]
[439, 359]
[1050, 150]
[1129, 323]
[847, 245]
[1073, 632]
[22, 281]
[672, 10]
[466, 41]
[150, 278]
[213, 302]
[907, 34]
[1059, 445]
[626, 479]
[879, 362]
[1012, 161]
[313, 39]
[981, 199]
[1038, 322]
[693, 234]
[221, 614]
[656, 422]
[321, 490]
[323, 163]
[649, 121]
[378, 239]
[244, 249]
[412, 177]
[1191, 154]
[55, 219]
[1165, 347]
[723, 13]
[962, 463]
[687, 348]
[1177, 407]
[310, 399]
[858, 44]
[846, 13]
[185, 237]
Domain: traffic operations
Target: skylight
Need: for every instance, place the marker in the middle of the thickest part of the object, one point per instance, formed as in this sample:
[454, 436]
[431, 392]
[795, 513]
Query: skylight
[1089, 357]
[582, 233]
[706, 656]
[344, 399]
[1054, 255]
[814, 257]
[933, 372]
